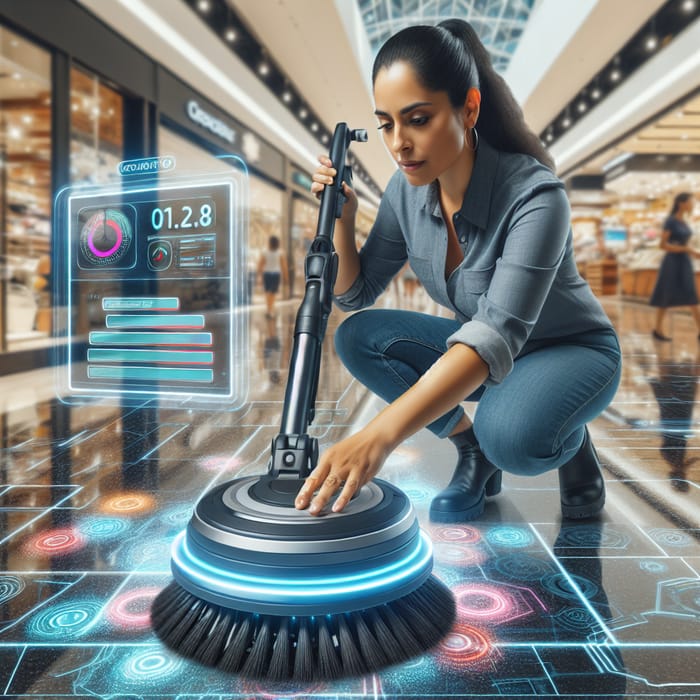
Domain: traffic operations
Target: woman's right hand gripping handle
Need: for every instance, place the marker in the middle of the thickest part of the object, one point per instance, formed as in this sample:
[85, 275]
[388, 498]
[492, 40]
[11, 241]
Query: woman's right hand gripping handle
[323, 175]
[344, 238]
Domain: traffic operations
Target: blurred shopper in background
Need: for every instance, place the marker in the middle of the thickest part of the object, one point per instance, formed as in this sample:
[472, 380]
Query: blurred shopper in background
[272, 267]
[675, 285]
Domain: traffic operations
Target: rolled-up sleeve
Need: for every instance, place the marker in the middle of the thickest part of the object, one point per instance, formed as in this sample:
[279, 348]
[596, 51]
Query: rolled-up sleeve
[381, 257]
[507, 312]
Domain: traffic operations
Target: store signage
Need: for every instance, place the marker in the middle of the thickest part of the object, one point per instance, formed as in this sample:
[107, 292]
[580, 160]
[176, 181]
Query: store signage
[209, 122]
[143, 166]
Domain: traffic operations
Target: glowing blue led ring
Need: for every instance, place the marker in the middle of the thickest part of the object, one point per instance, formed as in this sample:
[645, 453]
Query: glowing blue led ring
[301, 595]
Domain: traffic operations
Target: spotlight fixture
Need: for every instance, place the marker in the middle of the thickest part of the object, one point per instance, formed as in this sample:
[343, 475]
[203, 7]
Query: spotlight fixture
[264, 69]
[203, 5]
[303, 113]
[651, 42]
[582, 106]
[688, 6]
[287, 96]
[314, 127]
[615, 75]
[566, 122]
[596, 93]
[324, 138]
[230, 35]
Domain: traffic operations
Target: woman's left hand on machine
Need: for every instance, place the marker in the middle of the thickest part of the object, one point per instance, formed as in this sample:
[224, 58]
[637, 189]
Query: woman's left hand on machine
[346, 466]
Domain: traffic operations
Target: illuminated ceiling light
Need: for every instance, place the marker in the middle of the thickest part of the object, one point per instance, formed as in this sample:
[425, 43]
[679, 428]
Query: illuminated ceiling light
[231, 35]
[27, 118]
[596, 93]
[303, 113]
[651, 42]
[688, 6]
[287, 96]
[14, 132]
[264, 69]
[566, 122]
[204, 5]
[615, 74]
[581, 106]
[314, 127]
[324, 138]
[16, 76]
[145, 14]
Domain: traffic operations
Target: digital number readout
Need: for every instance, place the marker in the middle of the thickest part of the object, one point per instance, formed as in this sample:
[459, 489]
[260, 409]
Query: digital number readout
[186, 215]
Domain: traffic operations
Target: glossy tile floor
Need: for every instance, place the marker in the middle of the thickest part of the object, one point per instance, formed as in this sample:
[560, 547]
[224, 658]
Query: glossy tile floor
[92, 496]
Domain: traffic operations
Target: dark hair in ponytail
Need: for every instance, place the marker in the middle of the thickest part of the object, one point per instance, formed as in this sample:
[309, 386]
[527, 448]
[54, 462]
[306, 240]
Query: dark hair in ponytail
[451, 58]
[679, 199]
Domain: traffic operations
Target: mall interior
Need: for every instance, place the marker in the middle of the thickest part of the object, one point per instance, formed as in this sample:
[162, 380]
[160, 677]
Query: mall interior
[106, 451]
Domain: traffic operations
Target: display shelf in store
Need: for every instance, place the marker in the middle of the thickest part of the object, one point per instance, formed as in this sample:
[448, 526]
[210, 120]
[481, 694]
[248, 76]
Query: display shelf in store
[602, 276]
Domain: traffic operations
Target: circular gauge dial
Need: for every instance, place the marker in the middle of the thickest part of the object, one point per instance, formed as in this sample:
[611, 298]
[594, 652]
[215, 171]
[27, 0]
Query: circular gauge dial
[105, 237]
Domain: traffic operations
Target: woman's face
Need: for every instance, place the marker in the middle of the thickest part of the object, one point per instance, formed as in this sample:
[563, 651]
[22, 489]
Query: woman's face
[422, 130]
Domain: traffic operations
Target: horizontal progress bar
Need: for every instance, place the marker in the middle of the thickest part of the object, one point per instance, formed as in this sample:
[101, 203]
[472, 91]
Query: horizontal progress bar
[155, 321]
[140, 303]
[184, 357]
[152, 373]
[157, 338]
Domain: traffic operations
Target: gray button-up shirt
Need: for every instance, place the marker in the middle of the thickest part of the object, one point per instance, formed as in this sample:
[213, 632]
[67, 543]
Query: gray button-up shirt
[517, 286]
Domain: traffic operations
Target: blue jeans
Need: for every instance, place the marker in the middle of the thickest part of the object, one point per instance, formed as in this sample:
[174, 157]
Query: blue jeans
[531, 422]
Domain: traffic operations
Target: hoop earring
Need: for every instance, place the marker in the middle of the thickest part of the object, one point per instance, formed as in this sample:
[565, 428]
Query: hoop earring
[475, 145]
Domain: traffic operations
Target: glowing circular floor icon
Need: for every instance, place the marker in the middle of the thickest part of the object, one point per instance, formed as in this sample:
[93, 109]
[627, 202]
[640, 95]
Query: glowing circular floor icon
[105, 237]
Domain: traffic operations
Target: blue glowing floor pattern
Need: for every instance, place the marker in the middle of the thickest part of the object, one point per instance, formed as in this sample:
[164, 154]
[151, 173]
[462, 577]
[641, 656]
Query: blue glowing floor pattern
[91, 498]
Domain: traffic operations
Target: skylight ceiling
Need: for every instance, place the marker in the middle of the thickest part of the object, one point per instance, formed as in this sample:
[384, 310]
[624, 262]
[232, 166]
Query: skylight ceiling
[499, 23]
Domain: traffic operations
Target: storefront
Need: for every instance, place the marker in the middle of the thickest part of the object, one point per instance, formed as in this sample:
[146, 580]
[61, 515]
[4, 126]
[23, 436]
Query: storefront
[623, 195]
[76, 100]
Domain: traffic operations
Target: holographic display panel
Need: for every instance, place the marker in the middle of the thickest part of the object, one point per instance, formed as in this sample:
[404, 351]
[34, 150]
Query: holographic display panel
[153, 277]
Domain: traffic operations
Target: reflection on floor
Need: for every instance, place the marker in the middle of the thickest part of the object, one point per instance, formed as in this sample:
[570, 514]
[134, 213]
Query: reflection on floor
[91, 497]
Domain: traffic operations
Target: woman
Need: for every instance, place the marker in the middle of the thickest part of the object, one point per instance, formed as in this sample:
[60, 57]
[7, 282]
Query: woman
[675, 285]
[272, 265]
[485, 224]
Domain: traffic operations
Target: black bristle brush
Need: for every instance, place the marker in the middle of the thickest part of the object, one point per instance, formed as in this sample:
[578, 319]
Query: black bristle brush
[303, 649]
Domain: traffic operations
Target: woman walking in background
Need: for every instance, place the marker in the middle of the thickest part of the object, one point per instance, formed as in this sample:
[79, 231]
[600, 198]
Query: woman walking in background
[272, 266]
[675, 285]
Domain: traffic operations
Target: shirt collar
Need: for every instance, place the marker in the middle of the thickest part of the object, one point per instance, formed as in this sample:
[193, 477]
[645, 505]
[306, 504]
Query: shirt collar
[477, 199]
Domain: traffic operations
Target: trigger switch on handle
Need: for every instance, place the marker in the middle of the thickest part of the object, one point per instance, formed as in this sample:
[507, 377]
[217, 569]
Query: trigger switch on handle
[347, 178]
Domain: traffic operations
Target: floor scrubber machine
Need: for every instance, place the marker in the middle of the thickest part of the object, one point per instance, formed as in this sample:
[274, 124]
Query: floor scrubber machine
[270, 592]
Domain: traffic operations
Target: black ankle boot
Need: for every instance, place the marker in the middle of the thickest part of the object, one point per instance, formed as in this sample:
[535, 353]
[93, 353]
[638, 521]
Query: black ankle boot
[581, 485]
[474, 479]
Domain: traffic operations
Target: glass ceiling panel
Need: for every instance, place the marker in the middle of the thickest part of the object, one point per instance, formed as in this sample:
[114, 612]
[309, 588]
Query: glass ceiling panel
[499, 23]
